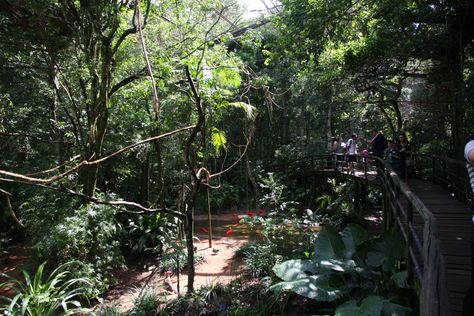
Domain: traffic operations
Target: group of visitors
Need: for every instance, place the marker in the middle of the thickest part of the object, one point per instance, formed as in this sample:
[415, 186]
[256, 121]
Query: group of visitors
[395, 152]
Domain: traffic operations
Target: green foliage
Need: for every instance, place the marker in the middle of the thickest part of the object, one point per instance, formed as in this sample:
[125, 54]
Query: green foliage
[146, 233]
[175, 257]
[346, 265]
[255, 299]
[277, 239]
[275, 195]
[46, 296]
[373, 306]
[337, 206]
[259, 258]
[146, 302]
[88, 234]
[227, 196]
[218, 140]
[109, 311]
[239, 298]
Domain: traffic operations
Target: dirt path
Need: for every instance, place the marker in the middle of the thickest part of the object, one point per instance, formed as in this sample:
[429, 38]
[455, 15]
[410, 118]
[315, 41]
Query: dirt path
[220, 267]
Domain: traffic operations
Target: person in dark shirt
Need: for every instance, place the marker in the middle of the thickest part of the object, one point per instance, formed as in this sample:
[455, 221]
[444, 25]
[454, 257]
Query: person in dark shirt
[405, 153]
[379, 143]
[392, 155]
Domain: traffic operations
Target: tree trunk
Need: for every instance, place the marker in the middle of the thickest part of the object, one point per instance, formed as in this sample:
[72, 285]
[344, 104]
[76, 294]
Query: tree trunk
[99, 116]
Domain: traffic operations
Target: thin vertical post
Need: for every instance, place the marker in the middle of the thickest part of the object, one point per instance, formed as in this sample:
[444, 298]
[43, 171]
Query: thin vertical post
[357, 197]
[445, 175]
[409, 241]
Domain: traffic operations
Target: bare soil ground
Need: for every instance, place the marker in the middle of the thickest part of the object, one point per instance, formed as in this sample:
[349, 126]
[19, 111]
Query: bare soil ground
[221, 267]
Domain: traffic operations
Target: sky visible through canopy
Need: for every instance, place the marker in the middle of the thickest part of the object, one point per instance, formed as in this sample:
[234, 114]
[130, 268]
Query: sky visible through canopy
[256, 8]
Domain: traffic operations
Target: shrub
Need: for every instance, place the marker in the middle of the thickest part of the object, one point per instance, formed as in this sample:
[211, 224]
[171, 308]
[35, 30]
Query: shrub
[109, 311]
[146, 303]
[147, 233]
[259, 258]
[176, 257]
[38, 297]
[87, 234]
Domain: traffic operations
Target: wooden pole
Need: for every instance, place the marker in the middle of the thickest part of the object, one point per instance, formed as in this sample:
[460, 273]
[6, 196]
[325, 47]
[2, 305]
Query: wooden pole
[209, 218]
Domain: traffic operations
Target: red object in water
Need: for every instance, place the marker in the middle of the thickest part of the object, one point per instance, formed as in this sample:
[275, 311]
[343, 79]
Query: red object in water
[237, 218]
[203, 229]
[229, 232]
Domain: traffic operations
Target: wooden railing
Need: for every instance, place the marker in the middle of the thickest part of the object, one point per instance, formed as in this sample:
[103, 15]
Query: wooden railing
[449, 173]
[425, 264]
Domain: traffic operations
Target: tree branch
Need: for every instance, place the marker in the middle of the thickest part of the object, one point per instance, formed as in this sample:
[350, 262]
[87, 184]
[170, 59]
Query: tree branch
[6, 198]
[156, 104]
[126, 81]
[49, 181]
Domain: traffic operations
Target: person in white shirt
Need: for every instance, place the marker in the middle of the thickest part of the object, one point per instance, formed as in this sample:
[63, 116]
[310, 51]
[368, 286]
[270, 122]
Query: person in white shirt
[351, 150]
[468, 306]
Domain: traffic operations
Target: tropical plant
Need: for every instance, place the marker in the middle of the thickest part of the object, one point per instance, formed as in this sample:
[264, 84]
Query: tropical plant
[146, 302]
[109, 311]
[348, 265]
[275, 195]
[45, 297]
[146, 233]
[254, 298]
[259, 258]
[175, 258]
[88, 235]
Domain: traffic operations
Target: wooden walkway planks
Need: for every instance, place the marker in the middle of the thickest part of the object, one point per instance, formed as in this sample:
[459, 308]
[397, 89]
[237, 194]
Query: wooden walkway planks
[454, 221]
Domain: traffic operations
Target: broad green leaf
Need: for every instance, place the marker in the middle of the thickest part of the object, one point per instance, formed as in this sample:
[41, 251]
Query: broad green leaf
[393, 250]
[400, 279]
[338, 265]
[329, 244]
[218, 140]
[294, 269]
[370, 306]
[353, 236]
[348, 308]
[390, 309]
[249, 110]
[315, 287]
[376, 257]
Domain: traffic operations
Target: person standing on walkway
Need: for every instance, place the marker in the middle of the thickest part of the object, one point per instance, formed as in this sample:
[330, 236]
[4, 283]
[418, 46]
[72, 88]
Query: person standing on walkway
[379, 143]
[351, 150]
[392, 155]
[468, 305]
[405, 155]
[339, 148]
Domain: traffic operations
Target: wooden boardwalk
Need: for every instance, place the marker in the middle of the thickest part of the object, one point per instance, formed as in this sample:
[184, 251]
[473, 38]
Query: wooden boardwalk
[440, 258]
[454, 222]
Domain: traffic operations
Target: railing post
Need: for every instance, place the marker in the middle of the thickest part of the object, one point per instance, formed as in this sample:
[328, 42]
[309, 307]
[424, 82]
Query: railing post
[445, 175]
[357, 196]
[409, 241]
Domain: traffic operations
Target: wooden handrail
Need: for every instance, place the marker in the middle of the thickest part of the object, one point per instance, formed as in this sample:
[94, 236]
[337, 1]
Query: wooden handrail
[451, 174]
